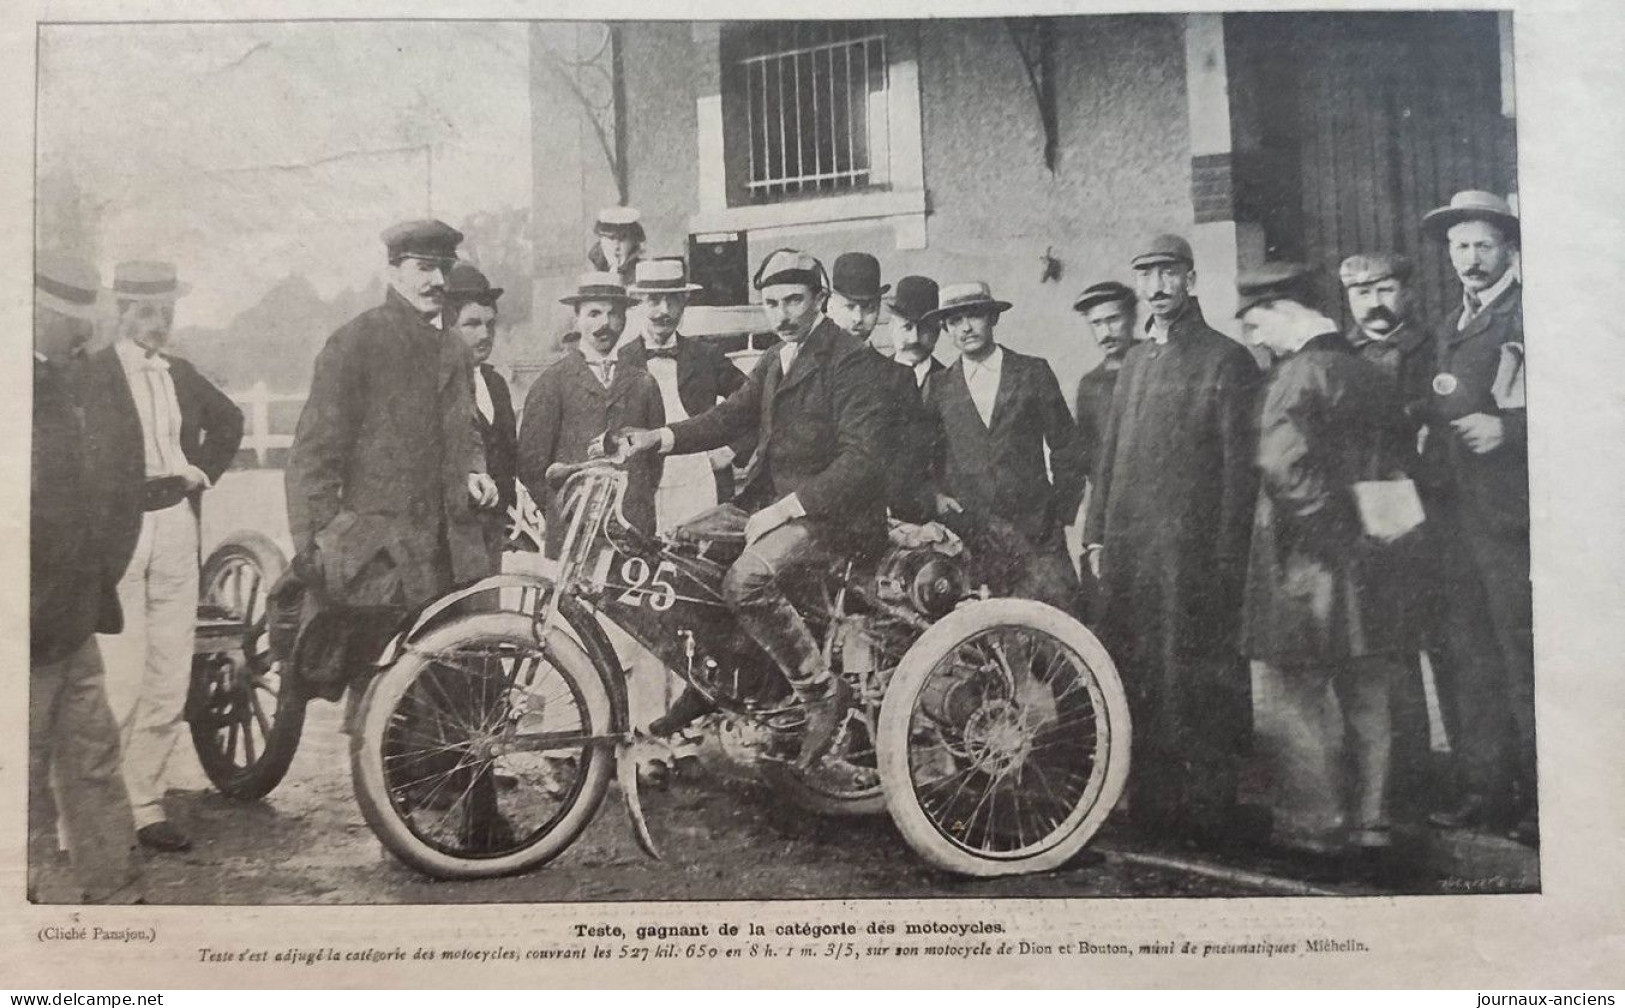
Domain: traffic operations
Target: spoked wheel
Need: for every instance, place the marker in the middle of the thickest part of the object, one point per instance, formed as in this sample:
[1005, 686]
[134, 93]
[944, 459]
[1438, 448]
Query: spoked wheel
[1004, 739]
[245, 715]
[479, 752]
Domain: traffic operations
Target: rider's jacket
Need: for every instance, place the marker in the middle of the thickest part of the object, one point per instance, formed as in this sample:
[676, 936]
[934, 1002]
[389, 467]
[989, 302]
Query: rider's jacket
[822, 431]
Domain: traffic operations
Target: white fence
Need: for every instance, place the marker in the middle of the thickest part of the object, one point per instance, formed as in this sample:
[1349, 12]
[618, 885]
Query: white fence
[258, 436]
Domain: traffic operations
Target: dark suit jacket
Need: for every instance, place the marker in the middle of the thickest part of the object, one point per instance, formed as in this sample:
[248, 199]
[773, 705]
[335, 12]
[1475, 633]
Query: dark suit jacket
[1490, 492]
[85, 503]
[501, 439]
[914, 442]
[566, 409]
[998, 469]
[386, 442]
[821, 431]
[705, 376]
[211, 424]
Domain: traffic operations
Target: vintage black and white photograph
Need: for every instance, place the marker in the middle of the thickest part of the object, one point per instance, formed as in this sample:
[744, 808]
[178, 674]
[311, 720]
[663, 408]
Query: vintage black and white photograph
[482, 461]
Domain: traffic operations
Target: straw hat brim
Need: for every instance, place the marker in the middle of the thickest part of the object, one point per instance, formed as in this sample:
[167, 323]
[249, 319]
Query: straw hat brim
[62, 306]
[575, 299]
[1438, 222]
[179, 290]
[937, 314]
[637, 291]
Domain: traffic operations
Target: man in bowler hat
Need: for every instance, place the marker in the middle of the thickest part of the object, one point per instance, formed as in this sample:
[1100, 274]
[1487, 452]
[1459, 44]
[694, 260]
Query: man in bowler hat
[471, 311]
[85, 500]
[1475, 468]
[189, 431]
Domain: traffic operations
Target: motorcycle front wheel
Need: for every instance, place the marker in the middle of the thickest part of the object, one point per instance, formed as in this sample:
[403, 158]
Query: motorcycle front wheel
[480, 752]
[1003, 739]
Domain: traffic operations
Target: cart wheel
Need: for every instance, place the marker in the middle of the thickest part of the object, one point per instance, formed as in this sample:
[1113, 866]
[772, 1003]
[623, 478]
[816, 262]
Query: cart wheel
[482, 752]
[245, 715]
[1003, 739]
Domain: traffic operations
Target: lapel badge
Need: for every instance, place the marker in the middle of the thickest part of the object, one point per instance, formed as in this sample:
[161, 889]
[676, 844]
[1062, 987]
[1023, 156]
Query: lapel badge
[1445, 384]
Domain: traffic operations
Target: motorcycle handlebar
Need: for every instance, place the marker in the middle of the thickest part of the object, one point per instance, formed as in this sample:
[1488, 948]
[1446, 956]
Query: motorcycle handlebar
[558, 472]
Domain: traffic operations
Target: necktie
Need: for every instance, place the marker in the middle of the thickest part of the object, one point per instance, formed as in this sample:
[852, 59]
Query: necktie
[1471, 307]
[604, 368]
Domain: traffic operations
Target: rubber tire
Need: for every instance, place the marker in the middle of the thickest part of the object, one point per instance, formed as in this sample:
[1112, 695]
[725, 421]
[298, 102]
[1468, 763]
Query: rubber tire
[282, 742]
[386, 691]
[897, 708]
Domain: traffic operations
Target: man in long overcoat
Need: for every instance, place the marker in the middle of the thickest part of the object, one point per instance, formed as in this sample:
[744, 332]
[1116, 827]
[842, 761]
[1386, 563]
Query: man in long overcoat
[999, 411]
[1476, 469]
[1169, 517]
[85, 516]
[817, 405]
[1329, 604]
[583, 395]
[387, 468]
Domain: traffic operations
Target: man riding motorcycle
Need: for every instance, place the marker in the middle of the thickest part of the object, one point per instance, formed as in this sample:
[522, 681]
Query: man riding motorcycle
[817, 403]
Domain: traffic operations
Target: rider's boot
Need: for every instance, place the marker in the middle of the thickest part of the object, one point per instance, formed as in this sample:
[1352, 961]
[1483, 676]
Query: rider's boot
[824, 717]
[690, 705]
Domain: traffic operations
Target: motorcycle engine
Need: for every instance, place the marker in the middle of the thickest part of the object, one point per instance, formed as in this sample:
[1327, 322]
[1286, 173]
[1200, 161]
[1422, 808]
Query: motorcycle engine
[924, 578]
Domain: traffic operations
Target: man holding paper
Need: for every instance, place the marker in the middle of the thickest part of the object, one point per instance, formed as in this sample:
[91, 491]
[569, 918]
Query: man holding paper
[1326, 605]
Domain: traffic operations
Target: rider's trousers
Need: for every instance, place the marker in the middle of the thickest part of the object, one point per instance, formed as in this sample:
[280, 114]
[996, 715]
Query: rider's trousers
[755, 589]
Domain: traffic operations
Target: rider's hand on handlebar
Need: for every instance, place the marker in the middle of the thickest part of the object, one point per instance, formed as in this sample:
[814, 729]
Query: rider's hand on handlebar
[636, 442]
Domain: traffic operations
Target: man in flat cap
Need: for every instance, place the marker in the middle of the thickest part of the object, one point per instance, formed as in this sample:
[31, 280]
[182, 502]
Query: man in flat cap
[1328, 599]
[998, 412]
[618, 241]
[387, 469]
[1167, 532]
[1476, 469]
[818, 408]
[1112, 312]
[583, 395]
[85, 516]
[693, 376]
[188, 432]
[471, 311]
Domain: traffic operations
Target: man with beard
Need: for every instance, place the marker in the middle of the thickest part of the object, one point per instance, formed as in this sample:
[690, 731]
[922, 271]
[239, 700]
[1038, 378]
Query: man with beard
[85, 517]
[1167, 532]
[998, 412]
[818, 409]
[189, 432]
[1475, 467]
[471, 308]
[1328, 605]
[581, 396]
[693, 376]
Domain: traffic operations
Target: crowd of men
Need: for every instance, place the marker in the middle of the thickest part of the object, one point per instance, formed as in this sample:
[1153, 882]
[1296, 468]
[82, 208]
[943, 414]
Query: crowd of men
[1269, 551]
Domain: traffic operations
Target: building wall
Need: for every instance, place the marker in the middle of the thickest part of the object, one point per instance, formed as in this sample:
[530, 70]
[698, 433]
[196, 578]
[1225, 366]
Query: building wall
[1122, 172]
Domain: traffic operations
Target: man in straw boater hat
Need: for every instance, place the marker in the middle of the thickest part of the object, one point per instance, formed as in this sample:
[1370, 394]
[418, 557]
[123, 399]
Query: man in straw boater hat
[583, 395]
[817, 406]
[85, 498]
[998, 411]
[1475, 468]
[693, 376]
[471, 312]
[1167, 530]
[188, 433]
[1329, 604]
[387, 469]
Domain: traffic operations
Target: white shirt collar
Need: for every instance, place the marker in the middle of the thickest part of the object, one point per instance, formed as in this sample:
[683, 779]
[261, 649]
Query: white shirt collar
[591, 354]
[1493, 292]
[650, 341]
[993, 362]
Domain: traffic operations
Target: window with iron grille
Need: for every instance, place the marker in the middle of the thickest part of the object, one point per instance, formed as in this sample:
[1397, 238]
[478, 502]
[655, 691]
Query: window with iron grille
[807, 109]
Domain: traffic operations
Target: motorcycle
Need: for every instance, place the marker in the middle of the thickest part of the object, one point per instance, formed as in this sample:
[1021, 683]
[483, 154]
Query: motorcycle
[993, 730]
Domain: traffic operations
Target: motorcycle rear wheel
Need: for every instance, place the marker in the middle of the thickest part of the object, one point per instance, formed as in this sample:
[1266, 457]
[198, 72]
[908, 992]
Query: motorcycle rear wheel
[428, 780]
[1003, 739]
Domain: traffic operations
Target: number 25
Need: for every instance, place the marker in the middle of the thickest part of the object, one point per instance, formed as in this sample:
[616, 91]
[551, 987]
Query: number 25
[640, 582]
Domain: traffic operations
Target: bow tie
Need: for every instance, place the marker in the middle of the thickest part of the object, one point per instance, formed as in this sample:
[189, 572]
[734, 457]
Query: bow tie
[669, 351]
